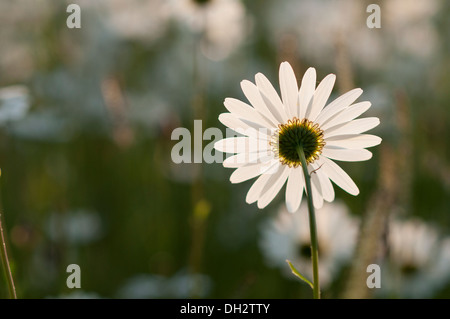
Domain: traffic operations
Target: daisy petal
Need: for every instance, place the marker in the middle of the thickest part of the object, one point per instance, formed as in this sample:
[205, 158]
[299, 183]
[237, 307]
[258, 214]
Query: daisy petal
[241, 144]
[255, 191]
[353, 141]
[278, 112]
[353, 127]
[320, 97]
[347, 155]
[289, 89]
[316, 190]
[249, 171]
[338, 104]
[346, 115]
[242, 159]
[245, 172]
[248, 128]
[272, 188]
[244, 111]
[325, 183]
[294, 190]
[339, 176]
[306, 91]
[269, 92]
[253, 94]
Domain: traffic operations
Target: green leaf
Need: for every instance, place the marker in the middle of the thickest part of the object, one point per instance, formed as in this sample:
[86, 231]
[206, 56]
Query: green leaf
[299, 275]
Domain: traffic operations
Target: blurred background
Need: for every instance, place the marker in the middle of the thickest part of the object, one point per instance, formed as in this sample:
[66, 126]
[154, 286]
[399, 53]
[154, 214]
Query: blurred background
[86, 117]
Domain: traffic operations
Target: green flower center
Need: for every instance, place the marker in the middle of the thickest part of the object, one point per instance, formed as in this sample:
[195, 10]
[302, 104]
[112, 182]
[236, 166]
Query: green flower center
[409, 269]
[304, 250]
[294, 134]
[201, 2]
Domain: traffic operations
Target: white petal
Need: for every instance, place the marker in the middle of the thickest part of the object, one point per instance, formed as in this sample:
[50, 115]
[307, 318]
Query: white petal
[325, 183]
[353, 141]
[316, 189]
[244, 111]
[269, 93]
[347, 155]
[306, 91]
[246, 172]
[339, 176]
[353, 127]
[320, 97]
[294, 189]
[273, 187]
[242, 159]
[289, 89]
[255, 191]
[241, 144]
[346, 115]
[248, 128]
[253, 94]
[278, 112]
[337, 105]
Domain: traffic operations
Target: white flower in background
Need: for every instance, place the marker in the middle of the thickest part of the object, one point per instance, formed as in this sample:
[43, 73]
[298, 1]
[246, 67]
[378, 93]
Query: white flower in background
[14, 103]
[180, 285]
[18, 48]
[137, 19]
[275, 128]
[406, 27]
[321, 25]
[48, 125]
[410, 23]
[287, 236]
[419, 260]
[77, 294]
[76, 227]
[222, 23]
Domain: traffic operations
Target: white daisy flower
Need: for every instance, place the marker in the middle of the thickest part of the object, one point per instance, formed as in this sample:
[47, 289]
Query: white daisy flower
[137, 19]
[418, 260]
[274, 128]
[222, 23]
[77, 227]
[287, 236]
[408, 25]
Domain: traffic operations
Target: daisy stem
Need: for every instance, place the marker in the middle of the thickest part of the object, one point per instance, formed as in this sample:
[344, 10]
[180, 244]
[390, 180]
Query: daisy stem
[312, 225]
[5, 262]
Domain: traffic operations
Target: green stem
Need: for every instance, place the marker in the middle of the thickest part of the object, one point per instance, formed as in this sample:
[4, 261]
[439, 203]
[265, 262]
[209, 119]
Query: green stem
[5, 261]
[312, 225]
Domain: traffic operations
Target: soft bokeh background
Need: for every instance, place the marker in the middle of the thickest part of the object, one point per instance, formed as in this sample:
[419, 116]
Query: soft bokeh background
[86, 117]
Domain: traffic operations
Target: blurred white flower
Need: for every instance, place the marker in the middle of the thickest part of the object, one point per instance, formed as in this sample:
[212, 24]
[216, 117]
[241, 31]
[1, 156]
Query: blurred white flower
[142, 286]
[181, 285]
[18, 49]
[406, 27]
[418, 260]
[77, 294]
[222, 24]
[321, 24]
[14, 103]
[184, 285]
[137, 19]
[287, 237]
[47, 125]
[410, 24]
[76, 227]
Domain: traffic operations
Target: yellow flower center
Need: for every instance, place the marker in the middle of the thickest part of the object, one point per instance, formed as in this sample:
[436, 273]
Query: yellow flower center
[294, 134]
